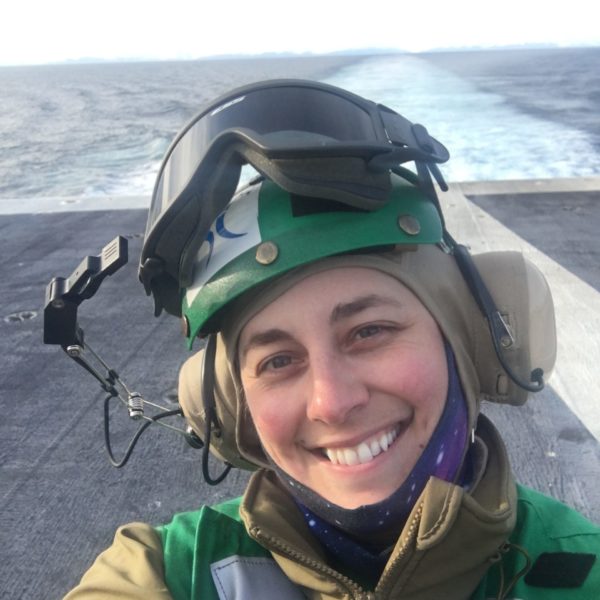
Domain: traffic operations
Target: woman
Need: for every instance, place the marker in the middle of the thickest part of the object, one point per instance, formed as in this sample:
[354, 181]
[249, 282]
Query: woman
[348, 343]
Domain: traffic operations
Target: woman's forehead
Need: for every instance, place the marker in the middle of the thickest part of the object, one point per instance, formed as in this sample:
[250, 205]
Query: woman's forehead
[341, 283]
[333, 295]
[358, 272]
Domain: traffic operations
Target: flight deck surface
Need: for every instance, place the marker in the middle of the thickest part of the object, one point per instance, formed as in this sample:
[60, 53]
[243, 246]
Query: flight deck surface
[61, 499]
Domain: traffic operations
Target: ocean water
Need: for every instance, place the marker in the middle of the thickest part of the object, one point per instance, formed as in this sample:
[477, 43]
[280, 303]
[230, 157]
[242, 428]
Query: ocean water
[97, 130]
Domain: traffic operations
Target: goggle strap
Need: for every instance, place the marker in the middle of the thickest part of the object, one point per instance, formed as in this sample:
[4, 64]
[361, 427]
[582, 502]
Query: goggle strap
[402, 132]
[426, 183]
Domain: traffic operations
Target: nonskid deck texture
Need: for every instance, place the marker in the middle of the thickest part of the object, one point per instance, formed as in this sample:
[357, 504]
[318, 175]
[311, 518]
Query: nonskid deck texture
[61, 501]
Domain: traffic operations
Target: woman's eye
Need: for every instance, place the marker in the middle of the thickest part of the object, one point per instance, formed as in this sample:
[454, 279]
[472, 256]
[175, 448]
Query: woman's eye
[368, 331]
[277, 362]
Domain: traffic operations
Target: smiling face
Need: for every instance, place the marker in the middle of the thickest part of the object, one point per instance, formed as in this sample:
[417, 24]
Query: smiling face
[345, 377]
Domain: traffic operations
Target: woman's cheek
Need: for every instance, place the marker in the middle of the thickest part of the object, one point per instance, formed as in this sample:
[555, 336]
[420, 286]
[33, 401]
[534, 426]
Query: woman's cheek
[420, 379]
[273, 421]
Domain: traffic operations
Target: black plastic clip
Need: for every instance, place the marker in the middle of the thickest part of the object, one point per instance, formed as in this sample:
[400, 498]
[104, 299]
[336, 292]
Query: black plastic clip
[63, 296]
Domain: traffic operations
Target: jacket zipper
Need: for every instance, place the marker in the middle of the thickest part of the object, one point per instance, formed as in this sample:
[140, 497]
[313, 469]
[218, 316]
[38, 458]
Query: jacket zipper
[355, 590]
[386, 582]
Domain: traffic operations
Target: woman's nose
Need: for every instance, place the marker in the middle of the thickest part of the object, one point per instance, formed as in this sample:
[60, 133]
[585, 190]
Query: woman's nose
[337, 389]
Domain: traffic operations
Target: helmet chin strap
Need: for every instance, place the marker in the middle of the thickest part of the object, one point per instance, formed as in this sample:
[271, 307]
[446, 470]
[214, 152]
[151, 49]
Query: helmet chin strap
[500, 332]
[211, 423]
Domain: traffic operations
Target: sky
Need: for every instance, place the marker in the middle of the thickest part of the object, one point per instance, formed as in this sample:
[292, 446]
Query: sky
[46, 31]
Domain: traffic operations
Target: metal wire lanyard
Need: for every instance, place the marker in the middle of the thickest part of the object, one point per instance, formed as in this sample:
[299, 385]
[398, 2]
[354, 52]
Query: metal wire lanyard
[63, 297]
[136, 405]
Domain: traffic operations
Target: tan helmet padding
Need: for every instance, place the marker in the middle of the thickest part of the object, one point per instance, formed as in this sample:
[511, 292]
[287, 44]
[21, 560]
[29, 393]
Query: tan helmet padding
[223, 445]
[518, 288]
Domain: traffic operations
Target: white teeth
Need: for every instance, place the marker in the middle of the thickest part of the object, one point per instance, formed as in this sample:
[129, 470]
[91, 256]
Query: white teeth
[375, 448]
[383, 442]
[350, 457]
[331, 455]
[364, 452]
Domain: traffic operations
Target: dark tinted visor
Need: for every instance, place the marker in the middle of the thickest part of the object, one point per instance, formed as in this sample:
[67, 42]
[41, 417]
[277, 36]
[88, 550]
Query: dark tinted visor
[279, 118]
[310, 138]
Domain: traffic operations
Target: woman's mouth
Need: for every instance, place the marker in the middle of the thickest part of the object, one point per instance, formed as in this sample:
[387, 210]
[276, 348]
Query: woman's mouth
[364, 452]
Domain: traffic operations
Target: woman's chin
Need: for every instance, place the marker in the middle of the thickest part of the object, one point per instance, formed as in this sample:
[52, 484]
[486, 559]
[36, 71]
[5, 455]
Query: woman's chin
[357, 492]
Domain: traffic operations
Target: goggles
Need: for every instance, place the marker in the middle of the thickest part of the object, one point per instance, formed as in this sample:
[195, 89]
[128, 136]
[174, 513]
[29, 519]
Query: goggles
[312, 139]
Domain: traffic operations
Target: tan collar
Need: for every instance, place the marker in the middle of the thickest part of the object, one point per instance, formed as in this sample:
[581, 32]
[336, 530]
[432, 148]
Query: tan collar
[444, 550]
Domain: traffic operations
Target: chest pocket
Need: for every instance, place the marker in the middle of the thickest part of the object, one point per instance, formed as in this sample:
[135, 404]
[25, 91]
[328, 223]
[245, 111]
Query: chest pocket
[248, 578]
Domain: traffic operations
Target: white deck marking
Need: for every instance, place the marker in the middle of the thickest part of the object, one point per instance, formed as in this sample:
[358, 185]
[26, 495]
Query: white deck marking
[45, 205]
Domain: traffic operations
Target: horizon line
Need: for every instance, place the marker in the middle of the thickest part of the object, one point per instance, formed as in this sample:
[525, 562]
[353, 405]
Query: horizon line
[373, 51]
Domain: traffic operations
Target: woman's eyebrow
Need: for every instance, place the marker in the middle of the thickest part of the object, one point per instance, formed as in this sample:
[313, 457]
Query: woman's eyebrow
[342, 311]
[263, 338]
[349, 309]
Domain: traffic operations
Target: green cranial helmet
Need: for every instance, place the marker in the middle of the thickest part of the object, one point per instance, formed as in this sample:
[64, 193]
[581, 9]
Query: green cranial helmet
[266, 231]
[332, 192]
